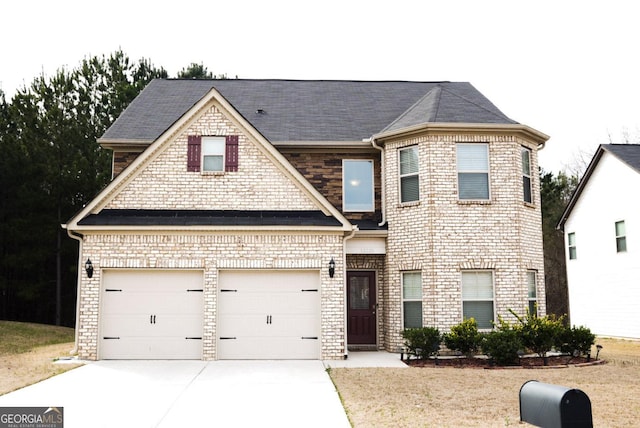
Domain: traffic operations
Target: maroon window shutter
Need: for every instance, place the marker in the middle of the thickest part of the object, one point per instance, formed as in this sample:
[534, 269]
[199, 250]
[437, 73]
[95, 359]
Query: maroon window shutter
[193, 152]
[231, 155]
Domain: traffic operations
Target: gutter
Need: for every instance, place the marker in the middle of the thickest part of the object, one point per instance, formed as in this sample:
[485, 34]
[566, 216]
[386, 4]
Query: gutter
[383, 175]
[78, 237]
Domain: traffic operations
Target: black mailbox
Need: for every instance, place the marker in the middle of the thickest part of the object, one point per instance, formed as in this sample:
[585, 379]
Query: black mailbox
[553, 406]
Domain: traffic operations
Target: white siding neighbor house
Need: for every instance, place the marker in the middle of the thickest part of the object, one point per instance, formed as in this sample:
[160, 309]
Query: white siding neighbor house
[602, 237]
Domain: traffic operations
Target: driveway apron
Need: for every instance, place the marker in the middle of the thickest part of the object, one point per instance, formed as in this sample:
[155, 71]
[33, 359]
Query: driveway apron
[189, 394]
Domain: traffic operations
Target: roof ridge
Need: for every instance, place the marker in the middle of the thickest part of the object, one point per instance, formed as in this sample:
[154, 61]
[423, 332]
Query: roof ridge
[405, 113]
[502, 115]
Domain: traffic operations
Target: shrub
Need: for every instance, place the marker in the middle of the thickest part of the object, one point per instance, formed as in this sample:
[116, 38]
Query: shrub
[576, 341]
[502, 345]
[464, 337]
[422, 342]
[539, 334]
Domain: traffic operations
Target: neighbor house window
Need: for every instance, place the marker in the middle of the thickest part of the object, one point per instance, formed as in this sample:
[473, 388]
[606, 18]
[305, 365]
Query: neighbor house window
[409, 177]
[526, 175]
[412, 299]
[533, 294]
[357, 183]
[477, 297]
[621, 237]
[572, 246]
[213, 149]
[473, 171]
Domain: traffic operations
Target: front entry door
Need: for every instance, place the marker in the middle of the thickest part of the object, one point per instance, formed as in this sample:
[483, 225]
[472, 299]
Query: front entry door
[361, 304]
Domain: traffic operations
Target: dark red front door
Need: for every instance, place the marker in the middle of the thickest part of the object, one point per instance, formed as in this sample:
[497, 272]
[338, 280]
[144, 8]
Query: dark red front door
[361, 308]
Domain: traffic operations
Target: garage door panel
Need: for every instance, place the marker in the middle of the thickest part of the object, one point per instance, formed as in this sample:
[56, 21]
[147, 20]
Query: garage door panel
[147, 314]
[269, 315]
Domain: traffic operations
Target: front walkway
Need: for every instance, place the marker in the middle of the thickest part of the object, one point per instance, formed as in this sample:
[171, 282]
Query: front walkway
[365, 359]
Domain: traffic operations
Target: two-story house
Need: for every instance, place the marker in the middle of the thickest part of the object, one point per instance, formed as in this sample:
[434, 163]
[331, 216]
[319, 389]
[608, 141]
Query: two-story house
[602, 230]
[281, 219]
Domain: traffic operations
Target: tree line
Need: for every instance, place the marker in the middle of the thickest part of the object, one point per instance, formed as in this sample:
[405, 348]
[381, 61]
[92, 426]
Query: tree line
[51, 166]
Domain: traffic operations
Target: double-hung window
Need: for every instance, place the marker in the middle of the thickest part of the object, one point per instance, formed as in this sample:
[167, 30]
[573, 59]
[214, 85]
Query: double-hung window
[213, 149]
[621, 237]
[357, 185]
[477, 297]
[573, 254]
[532, 292]
[473, 171]
[409, 174]
[526, 175]
[412, 299]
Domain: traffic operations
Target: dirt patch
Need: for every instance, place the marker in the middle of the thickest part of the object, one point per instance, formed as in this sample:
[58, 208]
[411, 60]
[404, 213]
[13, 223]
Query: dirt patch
[26, 368]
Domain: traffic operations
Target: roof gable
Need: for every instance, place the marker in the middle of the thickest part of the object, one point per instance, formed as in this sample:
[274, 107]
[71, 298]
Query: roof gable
[159, 178]
[309, 110]
[626, 153]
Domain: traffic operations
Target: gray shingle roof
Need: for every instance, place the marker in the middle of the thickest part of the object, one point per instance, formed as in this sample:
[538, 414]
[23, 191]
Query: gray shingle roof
[628, 153]
[309, 110]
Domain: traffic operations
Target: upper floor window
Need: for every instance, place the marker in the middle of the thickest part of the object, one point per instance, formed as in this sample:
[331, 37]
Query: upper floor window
[621, 237]
[526, 175]
[477, 297]
[409, 174]
[412, 299]
[213, 153]
[571, 237]
[533, 293]
[357, 185]
[473, 171]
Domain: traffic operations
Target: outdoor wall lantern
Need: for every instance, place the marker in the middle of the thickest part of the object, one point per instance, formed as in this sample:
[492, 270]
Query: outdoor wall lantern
[332, 268]
[88, 266]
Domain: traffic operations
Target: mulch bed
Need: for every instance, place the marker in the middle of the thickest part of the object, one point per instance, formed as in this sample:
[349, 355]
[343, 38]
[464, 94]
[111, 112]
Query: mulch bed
[528, 362]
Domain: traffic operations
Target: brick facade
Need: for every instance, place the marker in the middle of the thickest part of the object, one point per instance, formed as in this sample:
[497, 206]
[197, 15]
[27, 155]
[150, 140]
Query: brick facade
[441, 236]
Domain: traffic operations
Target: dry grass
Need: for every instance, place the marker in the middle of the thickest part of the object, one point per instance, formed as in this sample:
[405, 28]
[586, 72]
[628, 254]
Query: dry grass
[451, 397]
[28, 351]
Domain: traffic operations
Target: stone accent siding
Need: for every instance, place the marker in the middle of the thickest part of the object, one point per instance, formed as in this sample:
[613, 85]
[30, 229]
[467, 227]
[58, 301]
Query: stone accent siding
[441, 236]
[257, 185]
[324, 171]
[212, 253]
[121, 160]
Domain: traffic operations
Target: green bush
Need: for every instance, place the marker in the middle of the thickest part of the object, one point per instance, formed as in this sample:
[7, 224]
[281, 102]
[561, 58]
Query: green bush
[576, 341]
[539, 334]
[422, 342]
[464, 337]
[502, 344]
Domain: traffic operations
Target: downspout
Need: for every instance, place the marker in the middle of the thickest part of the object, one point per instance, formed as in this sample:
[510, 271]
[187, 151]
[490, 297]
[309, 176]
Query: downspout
[344, 264]
[78, 237]
[383, 175]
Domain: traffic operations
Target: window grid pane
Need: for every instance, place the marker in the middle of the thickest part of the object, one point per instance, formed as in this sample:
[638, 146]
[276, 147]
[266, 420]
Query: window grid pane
[409, 161]
[409, 188]
[412, 314]
[411, 285]
[621, 239]
[482, 312]
[531, 284]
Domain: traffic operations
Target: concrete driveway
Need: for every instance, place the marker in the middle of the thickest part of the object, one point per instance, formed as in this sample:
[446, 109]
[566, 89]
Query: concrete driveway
[190, 394]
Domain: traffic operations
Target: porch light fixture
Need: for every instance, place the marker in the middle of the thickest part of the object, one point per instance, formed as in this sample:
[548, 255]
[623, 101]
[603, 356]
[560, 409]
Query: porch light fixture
[332, 268]
[88, 267]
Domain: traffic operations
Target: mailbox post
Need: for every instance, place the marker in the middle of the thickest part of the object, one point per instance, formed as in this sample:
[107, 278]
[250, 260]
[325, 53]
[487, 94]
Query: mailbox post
[553, 406]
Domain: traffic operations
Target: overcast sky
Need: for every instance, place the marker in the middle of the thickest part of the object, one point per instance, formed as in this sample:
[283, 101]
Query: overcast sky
[567, 68]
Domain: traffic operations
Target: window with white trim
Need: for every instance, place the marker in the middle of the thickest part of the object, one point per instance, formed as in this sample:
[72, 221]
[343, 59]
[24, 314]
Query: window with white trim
[621, 237]
[571, 238]
[409, 174]
[412, 299]
[477, 297]
[527, 193]
[532, 292]
[213, 150]
[472, 160]
[357, 185]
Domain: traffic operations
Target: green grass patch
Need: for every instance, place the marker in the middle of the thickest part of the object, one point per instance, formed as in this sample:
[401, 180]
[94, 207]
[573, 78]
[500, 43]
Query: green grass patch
[19, 337]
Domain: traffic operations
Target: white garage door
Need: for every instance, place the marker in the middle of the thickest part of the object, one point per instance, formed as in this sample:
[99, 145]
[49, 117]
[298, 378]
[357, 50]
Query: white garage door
[269, 315]
[151, 314]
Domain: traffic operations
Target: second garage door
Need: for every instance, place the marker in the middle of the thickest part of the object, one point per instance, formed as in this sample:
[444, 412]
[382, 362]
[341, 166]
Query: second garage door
[269, 314]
